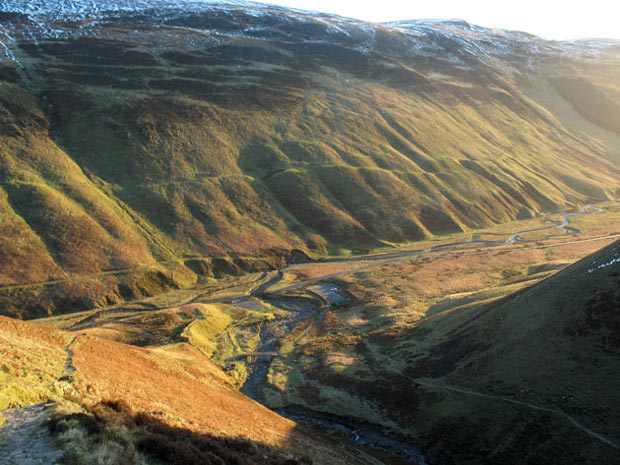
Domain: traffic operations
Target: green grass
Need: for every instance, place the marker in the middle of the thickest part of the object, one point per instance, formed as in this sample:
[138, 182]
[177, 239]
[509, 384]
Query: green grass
[128, 176]
[203, 332]
[29, 370]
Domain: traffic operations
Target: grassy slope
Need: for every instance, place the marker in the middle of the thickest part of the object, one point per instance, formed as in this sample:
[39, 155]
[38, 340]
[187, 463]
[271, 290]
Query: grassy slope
[116, 154]
[177, 384]
[553, 345]
[573, 110]
[31, 363]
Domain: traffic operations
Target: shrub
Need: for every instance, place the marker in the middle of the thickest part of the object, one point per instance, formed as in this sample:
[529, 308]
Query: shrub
[112, 433]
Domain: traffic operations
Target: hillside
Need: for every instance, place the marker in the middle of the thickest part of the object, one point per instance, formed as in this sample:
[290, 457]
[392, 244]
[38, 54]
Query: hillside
[458, 351]
[554, 345]
[173, 395]
[147, 145]
[498, 375]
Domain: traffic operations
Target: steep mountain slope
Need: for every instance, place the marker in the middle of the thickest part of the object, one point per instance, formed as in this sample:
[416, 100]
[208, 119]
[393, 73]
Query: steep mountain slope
[554, 346]
[140, 140]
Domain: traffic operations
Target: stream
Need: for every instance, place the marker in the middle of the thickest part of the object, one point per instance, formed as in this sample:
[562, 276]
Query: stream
[327, 294]
[363, 434]
[270, 335]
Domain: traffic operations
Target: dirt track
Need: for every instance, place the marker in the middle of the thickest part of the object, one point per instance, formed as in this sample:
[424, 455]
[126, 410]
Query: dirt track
[25, 438]
[598, 436]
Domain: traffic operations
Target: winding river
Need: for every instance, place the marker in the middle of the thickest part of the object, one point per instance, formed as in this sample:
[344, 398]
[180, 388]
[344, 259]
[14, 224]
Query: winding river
[326, 295]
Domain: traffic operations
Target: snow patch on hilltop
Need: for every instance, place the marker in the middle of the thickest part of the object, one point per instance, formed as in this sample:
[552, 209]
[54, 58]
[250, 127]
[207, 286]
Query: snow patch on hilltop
[461, 43]
[7, 42]
[79, 9]
[606, 264]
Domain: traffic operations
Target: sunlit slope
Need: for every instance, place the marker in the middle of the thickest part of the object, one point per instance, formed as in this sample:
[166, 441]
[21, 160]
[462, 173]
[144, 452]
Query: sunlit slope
[585, 97]
[249, 136]
[329, 149]
[177, 386]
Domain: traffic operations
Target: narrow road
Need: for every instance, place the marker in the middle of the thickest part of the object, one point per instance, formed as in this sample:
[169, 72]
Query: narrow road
[65, 383]
[262, 289]
[25, 438]
[69, 368]
[83, 277]
[252, 354]
[513, 239]
[598, 436]
[391, 258]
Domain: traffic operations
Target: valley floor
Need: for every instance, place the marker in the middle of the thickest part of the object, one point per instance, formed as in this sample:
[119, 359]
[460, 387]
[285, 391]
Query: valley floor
[287, 338]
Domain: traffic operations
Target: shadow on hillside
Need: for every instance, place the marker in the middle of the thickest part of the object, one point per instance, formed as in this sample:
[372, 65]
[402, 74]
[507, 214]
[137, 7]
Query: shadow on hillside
[113, 429]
